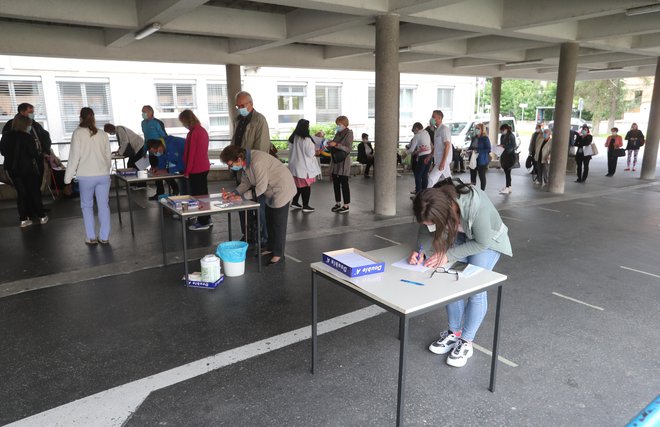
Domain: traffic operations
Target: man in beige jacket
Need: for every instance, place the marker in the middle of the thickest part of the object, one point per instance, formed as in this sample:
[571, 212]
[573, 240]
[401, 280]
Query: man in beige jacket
[251, 133]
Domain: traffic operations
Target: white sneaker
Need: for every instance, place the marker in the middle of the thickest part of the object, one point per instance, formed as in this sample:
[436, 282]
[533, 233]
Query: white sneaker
[26, 223]
[43, 219]
[444, 344]
[460, 354]
[505, 190]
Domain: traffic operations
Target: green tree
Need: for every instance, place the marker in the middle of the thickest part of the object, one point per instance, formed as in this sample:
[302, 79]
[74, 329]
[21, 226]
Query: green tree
[515, 92]
[603, 99]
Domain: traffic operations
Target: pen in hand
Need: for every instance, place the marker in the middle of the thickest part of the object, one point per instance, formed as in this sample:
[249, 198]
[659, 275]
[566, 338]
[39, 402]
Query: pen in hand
[419, 254]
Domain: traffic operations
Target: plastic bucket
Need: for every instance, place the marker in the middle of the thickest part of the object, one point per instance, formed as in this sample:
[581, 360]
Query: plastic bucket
[233, 257]
[210, 268]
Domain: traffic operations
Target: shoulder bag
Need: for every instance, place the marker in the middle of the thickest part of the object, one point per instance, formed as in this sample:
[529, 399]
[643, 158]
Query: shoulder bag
[338, 155]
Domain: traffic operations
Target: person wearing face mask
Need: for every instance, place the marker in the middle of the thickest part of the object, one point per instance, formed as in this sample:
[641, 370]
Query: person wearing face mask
[365, 154]
[635, 139]
[40, 136]
[131, 145]
[420, 147]
[583, 140]
[458, 222]
[613, 142]
[480, 148]
[441, 150]
[542, 156]
[196, 161]
[508, 157]
[538, 134]
[341, 167]
[152, 128]
[90, 162]
[21, 156]
[169, 153]
[251, 132]
[264, 176]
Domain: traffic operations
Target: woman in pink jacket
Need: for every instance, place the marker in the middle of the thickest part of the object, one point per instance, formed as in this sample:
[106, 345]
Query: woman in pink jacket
[196, 160]
[613, 142]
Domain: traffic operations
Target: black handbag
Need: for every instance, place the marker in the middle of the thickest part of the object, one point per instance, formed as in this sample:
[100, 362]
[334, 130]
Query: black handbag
[338, 155]
[529, 163]
[619, 152]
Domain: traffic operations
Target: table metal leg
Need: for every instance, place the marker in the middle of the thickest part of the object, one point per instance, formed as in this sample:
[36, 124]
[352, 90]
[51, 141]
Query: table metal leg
[401, 394]
[184, 229]
[117, 196]
[314, 323]
[130, 206]
[496, 338]
[162, 231]
[229, 224]
[258, 236]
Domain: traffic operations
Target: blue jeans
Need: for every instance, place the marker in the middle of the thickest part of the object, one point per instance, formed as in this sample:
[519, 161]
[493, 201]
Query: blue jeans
[95, 187]
[422, 173]
[468, 318]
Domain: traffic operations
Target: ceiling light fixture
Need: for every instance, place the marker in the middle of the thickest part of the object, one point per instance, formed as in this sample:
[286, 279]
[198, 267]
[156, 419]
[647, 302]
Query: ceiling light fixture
[405, 49]
[600, 70]
[529, 61]
[147, 31]
[642, 10]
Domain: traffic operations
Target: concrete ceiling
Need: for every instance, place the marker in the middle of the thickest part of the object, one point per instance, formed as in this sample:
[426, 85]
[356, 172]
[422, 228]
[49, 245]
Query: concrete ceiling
[508, 38]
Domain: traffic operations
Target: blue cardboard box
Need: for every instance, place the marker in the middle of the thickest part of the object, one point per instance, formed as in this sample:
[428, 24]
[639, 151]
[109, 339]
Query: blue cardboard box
[194, 281]
[353, 262]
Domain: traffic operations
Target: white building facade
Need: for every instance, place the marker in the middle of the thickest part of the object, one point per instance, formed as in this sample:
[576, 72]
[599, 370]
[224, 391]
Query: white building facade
[117, 90]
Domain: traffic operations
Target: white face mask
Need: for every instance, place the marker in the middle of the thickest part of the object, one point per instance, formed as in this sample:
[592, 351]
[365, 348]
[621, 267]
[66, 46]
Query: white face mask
[431, 228]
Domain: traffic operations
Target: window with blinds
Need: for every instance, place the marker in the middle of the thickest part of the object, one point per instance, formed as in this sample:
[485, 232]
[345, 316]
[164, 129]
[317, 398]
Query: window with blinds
[75, 95]
[446, 101]
[328, 103]
[371, 102]
[171, 99]
[406, 96]
[15, 92]
[218, 104]
[290, 103]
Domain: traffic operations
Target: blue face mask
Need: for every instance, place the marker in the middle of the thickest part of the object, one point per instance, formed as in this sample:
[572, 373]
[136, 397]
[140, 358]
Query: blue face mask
[339, 128]
[243, 111]
[236, 168]
[29, 129]
[31, 116]
[158, 154]
[432, 121]
[144, 116]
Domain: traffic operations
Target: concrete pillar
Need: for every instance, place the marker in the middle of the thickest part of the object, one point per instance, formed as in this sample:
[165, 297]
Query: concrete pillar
[387, 114]
[495, 95]
[653, 132]
[568, 57]
[233, 72]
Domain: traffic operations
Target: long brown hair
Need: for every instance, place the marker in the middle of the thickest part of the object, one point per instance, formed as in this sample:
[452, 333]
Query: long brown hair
[87, 120]
[438, 206]
[188, 119]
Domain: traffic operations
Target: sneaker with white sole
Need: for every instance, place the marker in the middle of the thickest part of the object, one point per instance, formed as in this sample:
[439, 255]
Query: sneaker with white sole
[295, 206]
[26, 223]
[505, 190]
[444, 344]
[198, 226]
[43, 219]
[460, 354]
[308, 209]
[342, 210]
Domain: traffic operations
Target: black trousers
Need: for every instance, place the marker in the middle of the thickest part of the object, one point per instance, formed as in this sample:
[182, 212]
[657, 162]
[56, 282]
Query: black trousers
[306, 193]
[582, 166]
[276, 220]
[481, 170]
[134, 158]
[28, 195]
[340, 183]
[369, 163]
[199, 187]
[507, 175]
[611, 162]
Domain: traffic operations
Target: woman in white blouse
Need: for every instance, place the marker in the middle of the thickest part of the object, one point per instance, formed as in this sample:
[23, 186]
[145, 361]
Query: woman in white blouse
[303, 164]
[90, 162]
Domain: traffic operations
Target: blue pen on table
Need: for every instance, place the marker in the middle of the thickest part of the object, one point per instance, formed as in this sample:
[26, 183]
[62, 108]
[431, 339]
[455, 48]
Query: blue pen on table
[412, 283]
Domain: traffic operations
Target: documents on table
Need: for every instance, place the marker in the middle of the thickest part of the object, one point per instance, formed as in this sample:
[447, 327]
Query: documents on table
[412, 267]
[143, 164]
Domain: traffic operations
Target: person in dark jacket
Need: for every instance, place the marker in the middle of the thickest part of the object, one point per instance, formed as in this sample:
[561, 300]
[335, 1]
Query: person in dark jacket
[365, 154]
[635, 139]
[40, 135]
[21, 159]
[538, 133]
[481, 148]
[583, 140]
[508, 157]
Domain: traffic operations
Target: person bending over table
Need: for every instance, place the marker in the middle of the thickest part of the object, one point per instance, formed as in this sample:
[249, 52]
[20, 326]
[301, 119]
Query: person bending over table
[267, 176]
[458, 222]
[169, 152]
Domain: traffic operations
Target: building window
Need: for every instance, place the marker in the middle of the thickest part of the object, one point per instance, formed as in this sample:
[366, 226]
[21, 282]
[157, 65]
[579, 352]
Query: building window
[15, 92]
[218, 104]
[171, 99]
[290, 103]
[371, 102]
[406, 103]
[328, 103]
[446, 101]
[75, 95]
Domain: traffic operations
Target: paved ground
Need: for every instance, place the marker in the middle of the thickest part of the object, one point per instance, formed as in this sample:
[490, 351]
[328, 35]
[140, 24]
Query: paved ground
[118, 321]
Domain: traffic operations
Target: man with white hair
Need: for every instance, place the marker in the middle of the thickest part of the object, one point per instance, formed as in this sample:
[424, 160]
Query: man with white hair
[251, 130]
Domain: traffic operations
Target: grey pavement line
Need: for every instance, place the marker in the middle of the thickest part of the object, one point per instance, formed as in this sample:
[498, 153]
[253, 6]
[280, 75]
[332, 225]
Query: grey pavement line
[147, 262]
[490, 353]
[577, 301]
[640, 271]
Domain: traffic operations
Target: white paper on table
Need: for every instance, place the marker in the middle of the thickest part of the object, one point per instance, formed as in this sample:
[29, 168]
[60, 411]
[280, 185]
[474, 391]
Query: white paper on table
[470, 270]
[407, 266]
[353, 260]
[498, 150]
[143, 164]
